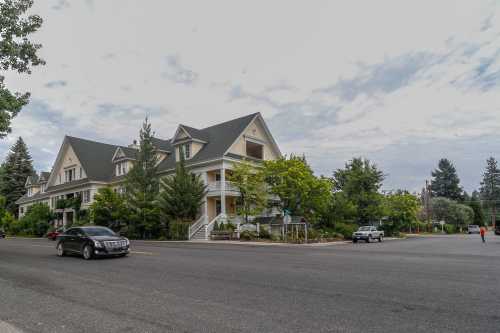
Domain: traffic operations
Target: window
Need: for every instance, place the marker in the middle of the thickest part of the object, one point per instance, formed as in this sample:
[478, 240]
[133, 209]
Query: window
[81, 173]
[69, 175]
[121, 168]
[186, 149]
[254, 150]
[22, 210]
[86, 196]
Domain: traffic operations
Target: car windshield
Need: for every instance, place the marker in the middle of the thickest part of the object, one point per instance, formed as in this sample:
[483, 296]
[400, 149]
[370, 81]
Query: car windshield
[364, 228]
[99, 232]
[473, 226]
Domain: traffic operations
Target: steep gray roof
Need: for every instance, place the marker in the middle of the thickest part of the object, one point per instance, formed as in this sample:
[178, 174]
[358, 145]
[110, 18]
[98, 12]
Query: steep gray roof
[44, 176]
[219, 139]
[161, 144]
[195, 133]
[95, 157]
[33, 179]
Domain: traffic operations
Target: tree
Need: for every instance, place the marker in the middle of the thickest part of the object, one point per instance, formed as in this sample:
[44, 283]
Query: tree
[401, 209]
[17, 53]
[181, 194]
[142, 186]
[475, 204]
[340, 210]
[37, 220]
[444, 209]
[490, 187]
[445, 181]
[360, 181]
[250, 182]
[109, 209]
[299, 191]
[16, 169]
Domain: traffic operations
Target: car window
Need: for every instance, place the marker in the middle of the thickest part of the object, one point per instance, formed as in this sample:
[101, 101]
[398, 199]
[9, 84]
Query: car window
[99, 231]
[364, 229]
[71, 232]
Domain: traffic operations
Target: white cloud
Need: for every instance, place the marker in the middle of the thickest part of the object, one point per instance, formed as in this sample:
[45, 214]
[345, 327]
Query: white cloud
[334, 79]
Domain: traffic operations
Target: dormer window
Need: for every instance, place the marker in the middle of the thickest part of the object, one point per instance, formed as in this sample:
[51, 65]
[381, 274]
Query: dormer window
[121, 168]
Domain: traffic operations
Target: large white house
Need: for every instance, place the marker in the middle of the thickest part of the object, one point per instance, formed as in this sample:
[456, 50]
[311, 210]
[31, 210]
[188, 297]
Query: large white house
[83, 166]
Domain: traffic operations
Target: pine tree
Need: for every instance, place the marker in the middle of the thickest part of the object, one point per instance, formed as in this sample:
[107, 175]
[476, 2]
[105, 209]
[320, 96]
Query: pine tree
[15, 170]
[490, 187]
[475, 204]
[445, 182]
[141, 187]
[182, 194]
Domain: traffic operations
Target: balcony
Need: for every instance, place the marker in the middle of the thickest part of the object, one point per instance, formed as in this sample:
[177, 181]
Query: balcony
[214, 188]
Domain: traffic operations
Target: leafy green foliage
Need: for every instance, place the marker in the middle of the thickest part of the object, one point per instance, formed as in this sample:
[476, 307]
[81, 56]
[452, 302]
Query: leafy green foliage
[182, 194]
[142, 187]
[359, 182]
[475, 204]
[178, 230]
[17, 53]
[109, 209]
[490, 185]
[37, 220]
[445, 181]
[15, 170]
[299, 191]
[451, 212]
[401, 209]
[253, 193]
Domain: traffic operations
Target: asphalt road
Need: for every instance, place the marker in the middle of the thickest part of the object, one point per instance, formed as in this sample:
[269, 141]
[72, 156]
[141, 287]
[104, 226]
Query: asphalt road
[435, 284]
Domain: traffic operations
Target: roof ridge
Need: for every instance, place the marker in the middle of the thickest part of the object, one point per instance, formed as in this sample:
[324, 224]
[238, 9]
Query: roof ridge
[94, 141]
[252, 115]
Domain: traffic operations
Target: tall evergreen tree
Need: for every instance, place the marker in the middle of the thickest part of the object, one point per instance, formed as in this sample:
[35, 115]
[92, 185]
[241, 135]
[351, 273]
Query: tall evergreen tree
[490, 187]
[182, 194]
[16, 168]
[360, 182]
[475, 204]
[142, 186]
[445, 181]
[17, 53]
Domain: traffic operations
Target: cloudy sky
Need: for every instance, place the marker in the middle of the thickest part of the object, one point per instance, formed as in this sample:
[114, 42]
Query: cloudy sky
[403, 83]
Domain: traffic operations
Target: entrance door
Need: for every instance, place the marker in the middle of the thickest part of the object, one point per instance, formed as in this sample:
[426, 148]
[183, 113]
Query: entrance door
[218, 208]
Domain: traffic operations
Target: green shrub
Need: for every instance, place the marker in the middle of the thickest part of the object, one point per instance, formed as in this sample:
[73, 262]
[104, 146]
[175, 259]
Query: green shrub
[346, 229]
[248, 235]
[178, 230]
[264, 233]
[450, 229]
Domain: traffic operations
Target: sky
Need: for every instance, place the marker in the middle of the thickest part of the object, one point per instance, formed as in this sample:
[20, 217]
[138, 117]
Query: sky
[402, 83]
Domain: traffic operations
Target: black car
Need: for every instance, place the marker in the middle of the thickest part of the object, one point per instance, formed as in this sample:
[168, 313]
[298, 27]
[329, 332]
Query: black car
[497, 229]
[91, 242]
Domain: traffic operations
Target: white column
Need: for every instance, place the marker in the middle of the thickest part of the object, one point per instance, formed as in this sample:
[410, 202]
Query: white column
[205, 203]
[223, 191]
[64, 219]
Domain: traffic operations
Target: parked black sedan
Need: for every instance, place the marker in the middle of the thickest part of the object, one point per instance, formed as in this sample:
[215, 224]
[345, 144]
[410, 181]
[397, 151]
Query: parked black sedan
[91, 242]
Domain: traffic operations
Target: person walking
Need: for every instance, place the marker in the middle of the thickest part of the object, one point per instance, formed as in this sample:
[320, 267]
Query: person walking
[482, 232]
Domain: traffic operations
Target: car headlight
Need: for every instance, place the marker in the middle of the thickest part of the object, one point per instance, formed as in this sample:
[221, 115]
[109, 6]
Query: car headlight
[127, 242]
[98, 244]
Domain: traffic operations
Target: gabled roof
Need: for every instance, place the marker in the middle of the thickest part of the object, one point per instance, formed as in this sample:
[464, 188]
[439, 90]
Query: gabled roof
[95, 157]
[163, 145]
[196, 134]
[44, 176]
[32, 180]
[219, 139]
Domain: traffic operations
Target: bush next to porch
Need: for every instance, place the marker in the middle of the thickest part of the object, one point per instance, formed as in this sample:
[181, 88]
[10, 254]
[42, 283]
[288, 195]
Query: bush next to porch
[36, 221]
[178, 230]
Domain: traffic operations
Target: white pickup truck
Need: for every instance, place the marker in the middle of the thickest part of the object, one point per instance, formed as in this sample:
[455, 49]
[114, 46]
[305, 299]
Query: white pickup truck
[368, 234]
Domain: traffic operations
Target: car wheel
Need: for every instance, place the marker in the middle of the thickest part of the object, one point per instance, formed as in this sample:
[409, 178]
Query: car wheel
[380, 239]
[60, 250]
[354, 240]
[369, 239]
[87, 252]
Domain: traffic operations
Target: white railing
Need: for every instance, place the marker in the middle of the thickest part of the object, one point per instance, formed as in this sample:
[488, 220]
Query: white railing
[217, 187]
[193, 228]
[210, 225]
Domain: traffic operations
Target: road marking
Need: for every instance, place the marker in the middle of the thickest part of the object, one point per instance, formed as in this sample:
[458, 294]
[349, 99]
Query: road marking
[145, 253]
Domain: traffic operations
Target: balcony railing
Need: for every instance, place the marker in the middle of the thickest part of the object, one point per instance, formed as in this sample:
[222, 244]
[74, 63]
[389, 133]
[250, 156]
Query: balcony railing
[217, 187]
